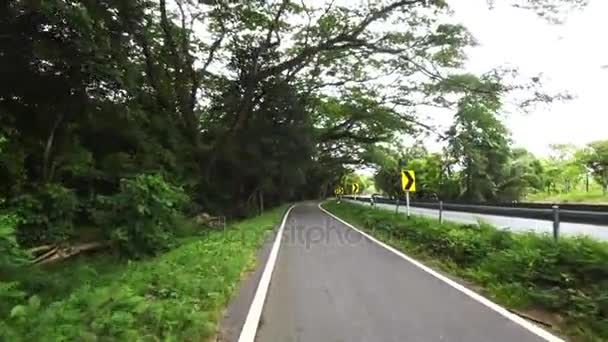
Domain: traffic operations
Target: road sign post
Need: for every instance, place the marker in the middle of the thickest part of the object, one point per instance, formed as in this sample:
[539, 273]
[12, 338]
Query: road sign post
[407, 204]
[339, 191]
[355, 189]
[440, 212]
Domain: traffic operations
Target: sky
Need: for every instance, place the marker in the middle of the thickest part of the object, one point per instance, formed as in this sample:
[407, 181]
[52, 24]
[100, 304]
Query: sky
[569, 55]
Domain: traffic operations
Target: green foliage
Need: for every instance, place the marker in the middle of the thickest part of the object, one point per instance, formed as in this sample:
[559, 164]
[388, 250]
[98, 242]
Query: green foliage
[483, 167]
[10, 253]
[522, 174]
[527, 271]
[564, 169]
[594, 195]
[48, 214]
[177, 296]
[142, 215]
[11, 258]
[574, 174]
[478, 142]
[595, 158]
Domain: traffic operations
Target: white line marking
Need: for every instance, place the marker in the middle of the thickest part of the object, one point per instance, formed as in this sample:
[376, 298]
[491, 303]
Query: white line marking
[252, 321]
[479, 298]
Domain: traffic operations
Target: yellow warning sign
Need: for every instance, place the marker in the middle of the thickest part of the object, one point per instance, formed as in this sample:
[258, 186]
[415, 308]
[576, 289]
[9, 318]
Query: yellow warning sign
[408, 180]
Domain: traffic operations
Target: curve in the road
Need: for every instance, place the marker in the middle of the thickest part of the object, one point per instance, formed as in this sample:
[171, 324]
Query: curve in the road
[332, 282]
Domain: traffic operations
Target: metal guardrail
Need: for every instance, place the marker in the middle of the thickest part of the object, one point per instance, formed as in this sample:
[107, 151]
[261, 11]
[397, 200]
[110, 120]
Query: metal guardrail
[591, 214]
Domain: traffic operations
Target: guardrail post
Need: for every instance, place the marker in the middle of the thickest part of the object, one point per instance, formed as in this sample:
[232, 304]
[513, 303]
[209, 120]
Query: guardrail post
[440, 212]
[555, 222]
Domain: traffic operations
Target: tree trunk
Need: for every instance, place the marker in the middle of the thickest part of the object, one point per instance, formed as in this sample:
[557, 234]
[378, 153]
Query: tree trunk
[46, 174]
[605, 181]
[261, 201]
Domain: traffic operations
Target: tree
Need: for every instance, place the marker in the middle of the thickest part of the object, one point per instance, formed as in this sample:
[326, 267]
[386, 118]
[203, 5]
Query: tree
[478, 142]
[522, 174]
[388, 164]
[596, 159]
[564, 168]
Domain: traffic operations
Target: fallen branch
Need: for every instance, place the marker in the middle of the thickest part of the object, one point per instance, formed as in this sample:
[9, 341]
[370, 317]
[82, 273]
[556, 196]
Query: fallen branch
[211, 221]
[58, 254]
[40, 249]
[45, 255]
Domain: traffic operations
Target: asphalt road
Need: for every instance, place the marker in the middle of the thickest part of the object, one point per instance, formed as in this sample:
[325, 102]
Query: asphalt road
[332, 284]
[517, 224]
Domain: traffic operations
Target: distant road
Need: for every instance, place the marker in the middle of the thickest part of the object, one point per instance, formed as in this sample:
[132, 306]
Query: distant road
[516, 224]
[331, 283]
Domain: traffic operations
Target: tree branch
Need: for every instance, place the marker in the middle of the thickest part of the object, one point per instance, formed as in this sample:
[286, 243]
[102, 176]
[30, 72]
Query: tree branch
[347, 39]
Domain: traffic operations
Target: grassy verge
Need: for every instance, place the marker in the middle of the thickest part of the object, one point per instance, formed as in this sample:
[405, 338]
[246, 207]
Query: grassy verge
[594, 196]
[564, 283]
[177, 296]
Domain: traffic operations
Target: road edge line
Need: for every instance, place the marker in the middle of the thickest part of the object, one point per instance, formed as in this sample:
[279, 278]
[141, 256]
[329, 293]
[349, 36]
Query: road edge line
[472, 294]
[250, 327]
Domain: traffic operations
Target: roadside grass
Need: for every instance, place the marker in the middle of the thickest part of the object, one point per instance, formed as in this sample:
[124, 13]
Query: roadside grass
[594, 196]
[176, 296]
[563, 283]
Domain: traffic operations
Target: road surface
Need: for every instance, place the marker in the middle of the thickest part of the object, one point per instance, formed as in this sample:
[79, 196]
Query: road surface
[332, 284]
[517, 224]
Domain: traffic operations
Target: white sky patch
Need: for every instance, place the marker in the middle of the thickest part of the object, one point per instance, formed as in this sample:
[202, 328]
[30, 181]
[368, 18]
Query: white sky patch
[570, 56]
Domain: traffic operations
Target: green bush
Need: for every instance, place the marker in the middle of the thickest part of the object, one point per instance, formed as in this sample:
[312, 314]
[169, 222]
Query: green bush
[11, 257]
[141, 218]
[10, 253]
[568, 277]
[48, 214]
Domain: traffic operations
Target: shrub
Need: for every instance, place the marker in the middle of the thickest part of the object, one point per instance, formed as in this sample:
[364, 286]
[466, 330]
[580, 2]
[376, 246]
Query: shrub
[11, 257]
[10, 253]
[48, 214]
[141, 217]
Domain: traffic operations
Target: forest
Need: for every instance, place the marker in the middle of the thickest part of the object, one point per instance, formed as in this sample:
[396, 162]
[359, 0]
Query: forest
[121, 120]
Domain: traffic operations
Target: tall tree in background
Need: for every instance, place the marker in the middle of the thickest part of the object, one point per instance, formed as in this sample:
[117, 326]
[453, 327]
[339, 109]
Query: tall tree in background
[479, 143]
